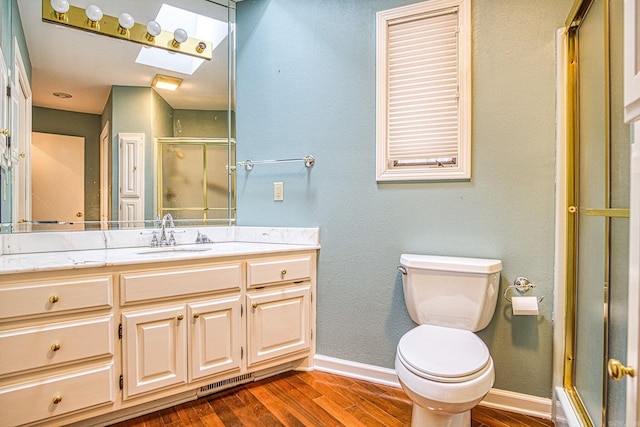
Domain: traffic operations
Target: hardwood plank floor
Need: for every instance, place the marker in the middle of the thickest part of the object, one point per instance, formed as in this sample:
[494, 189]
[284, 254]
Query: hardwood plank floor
[310, 399]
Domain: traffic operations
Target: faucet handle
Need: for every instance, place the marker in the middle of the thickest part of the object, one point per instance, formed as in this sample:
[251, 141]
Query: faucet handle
[154, 239]
[172, 238]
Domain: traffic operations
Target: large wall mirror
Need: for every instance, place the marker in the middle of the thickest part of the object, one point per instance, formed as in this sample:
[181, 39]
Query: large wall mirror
[93, 144]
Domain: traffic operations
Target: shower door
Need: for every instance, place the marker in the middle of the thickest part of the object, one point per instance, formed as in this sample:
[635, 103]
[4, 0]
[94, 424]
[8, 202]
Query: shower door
[193, 179]
[598, 213]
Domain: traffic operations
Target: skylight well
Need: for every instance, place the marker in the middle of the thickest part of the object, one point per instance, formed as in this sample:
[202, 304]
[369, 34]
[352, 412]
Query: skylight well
[199, 26]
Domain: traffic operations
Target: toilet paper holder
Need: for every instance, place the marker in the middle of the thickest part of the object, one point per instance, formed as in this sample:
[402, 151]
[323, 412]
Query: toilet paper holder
[522, 285]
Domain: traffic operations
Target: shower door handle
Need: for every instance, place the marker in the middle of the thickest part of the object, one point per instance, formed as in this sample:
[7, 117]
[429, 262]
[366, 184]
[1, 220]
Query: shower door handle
[617, 370]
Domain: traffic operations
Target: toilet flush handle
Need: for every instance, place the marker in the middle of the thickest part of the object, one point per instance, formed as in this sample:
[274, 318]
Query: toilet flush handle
[402, 269]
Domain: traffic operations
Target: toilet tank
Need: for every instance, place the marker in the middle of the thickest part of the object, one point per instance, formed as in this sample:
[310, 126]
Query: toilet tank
[451, 291]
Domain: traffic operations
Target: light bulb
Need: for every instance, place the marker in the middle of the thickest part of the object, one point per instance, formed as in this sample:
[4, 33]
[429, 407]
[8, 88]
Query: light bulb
[60, 6]
[94, 13]
[153, 28]
[180, 36]
[126, 21]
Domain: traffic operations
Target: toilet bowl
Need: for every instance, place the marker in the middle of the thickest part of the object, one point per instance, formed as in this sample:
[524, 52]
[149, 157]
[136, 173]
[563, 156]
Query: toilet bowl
[445, 368]
[445, 372]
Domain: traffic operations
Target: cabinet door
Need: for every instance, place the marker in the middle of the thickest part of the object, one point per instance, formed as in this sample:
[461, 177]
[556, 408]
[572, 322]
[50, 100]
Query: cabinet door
[278, 323]
[215, 337]
[154, 346]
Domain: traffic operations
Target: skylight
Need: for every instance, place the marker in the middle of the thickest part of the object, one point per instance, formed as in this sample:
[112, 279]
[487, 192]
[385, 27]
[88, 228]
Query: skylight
[198, 26]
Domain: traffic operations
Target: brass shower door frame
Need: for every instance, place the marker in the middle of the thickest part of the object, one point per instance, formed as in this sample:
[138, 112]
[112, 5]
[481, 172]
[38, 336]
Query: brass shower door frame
[576, 16]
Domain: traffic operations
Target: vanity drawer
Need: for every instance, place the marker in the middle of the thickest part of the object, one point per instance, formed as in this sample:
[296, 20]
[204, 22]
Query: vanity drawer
[49, 397]
[55, 297]
[136, 287]
[261, 273]
[50, 345]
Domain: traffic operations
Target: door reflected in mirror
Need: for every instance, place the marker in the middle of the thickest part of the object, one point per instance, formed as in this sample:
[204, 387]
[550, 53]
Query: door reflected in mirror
[97, 88]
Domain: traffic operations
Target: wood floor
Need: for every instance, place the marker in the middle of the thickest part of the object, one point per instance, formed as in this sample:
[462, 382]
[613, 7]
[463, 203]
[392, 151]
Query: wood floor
[310, 399]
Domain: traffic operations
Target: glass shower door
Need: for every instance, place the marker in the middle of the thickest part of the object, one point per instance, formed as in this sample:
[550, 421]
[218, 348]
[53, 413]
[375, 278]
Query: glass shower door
[600, 197]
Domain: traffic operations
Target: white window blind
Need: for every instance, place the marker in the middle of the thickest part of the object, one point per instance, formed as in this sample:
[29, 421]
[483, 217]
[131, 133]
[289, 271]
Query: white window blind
[420, 127]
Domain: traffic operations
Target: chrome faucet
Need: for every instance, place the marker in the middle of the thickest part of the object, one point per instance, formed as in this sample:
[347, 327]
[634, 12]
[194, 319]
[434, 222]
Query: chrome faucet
[163, 234]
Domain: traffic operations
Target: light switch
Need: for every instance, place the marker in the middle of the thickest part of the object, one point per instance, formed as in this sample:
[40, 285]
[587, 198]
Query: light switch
[278, 191]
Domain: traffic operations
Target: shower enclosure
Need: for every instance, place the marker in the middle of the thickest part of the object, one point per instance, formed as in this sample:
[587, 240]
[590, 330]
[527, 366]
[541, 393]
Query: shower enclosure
[194, 182]
[597, 214]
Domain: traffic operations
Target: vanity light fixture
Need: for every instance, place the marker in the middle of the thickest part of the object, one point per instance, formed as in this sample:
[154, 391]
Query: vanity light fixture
[166, 82]
[94, 15]
[124, 27]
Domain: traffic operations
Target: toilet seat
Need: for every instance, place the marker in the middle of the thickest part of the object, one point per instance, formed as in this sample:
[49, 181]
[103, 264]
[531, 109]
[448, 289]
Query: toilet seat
[443, 354]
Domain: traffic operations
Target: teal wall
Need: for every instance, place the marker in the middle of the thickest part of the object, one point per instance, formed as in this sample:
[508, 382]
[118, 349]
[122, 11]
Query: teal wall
[202, 124]
[61, 122]
[306, 85]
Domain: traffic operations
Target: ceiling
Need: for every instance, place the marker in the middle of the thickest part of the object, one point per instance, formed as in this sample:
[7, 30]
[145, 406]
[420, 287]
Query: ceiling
[86, 65]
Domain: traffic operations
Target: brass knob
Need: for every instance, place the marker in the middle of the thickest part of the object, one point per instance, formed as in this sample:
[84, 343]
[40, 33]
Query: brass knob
[617, 370]
[79, 214]
[196, 315]
[283, 271]
[573, 209]
[180, 316]
[254, 305]
[4, 132]
[55, 347]
[22, 155]
[56, 399]
[54, 299]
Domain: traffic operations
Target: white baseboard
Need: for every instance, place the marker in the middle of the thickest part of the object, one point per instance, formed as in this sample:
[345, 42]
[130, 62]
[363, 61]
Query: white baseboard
[499, 399]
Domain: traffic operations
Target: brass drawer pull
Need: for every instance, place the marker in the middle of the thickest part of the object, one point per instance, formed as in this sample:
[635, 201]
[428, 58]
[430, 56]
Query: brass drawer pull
[180, 317]
[55, 347]
[254, 305]
[196, 315]
[56, 399]
[54, 299]
[283, 271]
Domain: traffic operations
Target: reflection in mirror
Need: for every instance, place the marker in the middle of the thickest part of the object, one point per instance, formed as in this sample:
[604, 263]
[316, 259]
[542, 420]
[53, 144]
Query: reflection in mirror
[99, 89]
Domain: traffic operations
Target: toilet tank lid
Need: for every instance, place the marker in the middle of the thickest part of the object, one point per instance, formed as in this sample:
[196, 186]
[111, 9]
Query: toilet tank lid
[450, 263]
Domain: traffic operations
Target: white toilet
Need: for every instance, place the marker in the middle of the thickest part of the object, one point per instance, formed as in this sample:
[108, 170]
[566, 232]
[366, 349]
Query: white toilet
[442, 365]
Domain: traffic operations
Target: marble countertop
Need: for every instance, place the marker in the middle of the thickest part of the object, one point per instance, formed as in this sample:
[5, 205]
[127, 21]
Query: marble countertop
[38, 251]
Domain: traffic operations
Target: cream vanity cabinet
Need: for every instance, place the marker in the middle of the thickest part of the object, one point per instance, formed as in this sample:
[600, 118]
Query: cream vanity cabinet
[279, 296]
[197, 334]
[95, 345]
[56, 347]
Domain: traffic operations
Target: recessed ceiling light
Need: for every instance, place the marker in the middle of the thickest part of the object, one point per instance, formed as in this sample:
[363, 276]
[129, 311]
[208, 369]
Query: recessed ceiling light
[62, 95]
[166, 82]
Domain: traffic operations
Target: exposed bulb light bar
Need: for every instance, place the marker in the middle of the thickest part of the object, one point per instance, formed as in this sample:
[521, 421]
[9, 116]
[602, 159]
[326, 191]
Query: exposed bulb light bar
[124, 27]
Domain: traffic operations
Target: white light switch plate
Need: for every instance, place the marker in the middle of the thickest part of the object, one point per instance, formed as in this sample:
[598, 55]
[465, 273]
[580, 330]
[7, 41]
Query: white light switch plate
[278, 191]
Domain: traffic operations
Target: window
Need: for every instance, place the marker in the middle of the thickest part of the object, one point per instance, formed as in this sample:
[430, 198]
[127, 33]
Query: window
[424, 92]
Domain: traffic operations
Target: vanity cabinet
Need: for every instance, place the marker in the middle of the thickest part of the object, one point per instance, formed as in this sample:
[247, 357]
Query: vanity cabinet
[56, 347]
[119, 341]
[182, 342]
[279, 302]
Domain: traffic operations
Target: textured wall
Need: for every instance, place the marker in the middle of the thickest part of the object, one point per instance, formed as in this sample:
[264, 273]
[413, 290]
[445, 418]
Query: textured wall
[306, 85]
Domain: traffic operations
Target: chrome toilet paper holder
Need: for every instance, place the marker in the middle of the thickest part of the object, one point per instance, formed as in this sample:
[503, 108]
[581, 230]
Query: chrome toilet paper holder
[522, 285]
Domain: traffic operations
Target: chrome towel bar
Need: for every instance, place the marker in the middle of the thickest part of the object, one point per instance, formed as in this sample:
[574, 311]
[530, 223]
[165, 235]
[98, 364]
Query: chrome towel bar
[309, 161]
